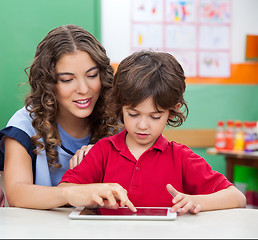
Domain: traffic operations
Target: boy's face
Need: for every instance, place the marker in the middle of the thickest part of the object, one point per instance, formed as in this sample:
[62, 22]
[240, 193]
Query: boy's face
[144, 123]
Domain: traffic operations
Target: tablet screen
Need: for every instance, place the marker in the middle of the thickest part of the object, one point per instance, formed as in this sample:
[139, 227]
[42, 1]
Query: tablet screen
[126, 212]
[123, 213]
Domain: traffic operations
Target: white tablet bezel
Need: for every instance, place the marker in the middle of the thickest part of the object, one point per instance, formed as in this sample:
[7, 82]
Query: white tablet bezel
[75, 214]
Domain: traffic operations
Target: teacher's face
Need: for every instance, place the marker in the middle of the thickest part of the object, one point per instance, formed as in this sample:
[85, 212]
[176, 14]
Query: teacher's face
[78, 85]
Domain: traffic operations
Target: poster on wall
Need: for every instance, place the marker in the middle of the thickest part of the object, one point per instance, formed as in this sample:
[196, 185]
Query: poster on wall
[196, 32]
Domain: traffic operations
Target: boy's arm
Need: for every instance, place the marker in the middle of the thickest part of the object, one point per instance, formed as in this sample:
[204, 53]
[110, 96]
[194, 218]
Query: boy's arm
[230, 197]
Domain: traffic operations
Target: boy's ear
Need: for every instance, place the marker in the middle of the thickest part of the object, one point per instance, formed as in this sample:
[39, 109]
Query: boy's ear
[178, 105]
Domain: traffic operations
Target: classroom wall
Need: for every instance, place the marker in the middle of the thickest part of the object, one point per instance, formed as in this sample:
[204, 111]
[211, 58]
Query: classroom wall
[208, 102]
[116, 33]
[25, 22]
[23, 25]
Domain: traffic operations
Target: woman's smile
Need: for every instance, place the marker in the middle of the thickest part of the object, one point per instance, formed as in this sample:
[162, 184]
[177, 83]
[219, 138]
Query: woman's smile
[83, 103]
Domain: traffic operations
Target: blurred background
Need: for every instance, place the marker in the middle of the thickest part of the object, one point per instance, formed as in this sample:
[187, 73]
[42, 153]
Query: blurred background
[123, 26]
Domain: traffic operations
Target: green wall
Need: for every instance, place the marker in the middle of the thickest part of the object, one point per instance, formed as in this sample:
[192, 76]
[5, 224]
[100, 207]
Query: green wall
[23, 24]
[211, 103]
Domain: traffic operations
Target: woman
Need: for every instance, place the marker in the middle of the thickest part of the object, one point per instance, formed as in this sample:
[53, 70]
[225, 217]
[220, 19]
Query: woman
[2, 200]
[69, 78]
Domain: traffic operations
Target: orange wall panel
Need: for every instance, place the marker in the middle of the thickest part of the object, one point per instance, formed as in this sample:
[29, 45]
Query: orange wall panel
[243, 73]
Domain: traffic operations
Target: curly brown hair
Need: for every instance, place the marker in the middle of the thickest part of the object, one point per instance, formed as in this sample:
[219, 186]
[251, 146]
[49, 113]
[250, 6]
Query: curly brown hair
[148, 74]
[41, 102]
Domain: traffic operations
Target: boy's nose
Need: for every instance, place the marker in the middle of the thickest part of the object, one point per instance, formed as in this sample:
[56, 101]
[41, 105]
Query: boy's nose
[143, 124]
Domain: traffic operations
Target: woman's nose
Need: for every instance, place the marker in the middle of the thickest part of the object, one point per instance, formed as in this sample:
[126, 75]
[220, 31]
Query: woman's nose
[82, 86]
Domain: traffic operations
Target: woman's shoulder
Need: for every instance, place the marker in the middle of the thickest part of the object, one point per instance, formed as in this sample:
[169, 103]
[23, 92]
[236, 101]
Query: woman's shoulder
[20, 115]
[21, 120]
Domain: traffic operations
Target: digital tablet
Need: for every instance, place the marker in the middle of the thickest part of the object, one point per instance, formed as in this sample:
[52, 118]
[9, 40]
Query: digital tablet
[123, 213]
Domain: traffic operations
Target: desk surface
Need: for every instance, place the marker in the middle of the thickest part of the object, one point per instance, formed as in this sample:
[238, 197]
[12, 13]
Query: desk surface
[233, 158]
[235, 154]
[30, 223]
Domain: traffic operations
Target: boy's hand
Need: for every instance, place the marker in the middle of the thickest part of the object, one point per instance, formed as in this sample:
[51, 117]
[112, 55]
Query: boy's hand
[182, 201]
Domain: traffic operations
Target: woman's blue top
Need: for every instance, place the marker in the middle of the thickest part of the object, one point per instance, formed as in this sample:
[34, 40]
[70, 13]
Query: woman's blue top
[20, 128]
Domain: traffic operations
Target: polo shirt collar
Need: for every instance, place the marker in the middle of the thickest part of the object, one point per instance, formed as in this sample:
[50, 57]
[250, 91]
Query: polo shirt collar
[161, 143]
[118, 141]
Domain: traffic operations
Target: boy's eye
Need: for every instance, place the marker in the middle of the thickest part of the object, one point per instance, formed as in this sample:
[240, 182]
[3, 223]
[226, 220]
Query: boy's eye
[155, 118]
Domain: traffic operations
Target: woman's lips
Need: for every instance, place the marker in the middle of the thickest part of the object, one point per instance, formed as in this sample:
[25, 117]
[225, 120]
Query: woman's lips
[83, 103]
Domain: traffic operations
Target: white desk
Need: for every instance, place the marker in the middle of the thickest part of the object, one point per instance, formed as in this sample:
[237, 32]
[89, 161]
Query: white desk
[29, 223]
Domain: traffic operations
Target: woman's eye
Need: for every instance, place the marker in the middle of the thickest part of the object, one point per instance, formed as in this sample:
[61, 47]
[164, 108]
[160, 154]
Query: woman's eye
[93, 76]
[65, 80]
[133, 115]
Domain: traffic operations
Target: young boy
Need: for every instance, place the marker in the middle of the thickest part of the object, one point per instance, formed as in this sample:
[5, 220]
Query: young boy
[148, 94]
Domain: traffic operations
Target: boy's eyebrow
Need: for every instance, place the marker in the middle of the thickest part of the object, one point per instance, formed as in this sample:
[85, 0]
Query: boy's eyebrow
[131, 108]
[68, 73]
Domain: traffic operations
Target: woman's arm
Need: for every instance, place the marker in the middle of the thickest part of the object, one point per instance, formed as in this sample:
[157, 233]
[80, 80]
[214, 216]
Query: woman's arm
[19, 188]
[21, 192]
[97, 194]
[230, 197]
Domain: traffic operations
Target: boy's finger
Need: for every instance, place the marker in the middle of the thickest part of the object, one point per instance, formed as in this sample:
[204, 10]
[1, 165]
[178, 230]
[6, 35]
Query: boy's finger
[175, 208]
[171, 190]
[197, 208]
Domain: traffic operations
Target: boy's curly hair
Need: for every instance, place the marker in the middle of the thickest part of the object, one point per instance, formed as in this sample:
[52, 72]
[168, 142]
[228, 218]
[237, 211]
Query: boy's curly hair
[148, 74]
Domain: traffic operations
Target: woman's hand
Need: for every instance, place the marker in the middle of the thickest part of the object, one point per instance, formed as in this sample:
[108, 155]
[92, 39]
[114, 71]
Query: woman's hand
[97, 194]
[79, 155]
[182, 201]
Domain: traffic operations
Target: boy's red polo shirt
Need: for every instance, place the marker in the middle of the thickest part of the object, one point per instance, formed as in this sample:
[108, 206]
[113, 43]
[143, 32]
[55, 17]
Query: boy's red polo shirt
[110, 161]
